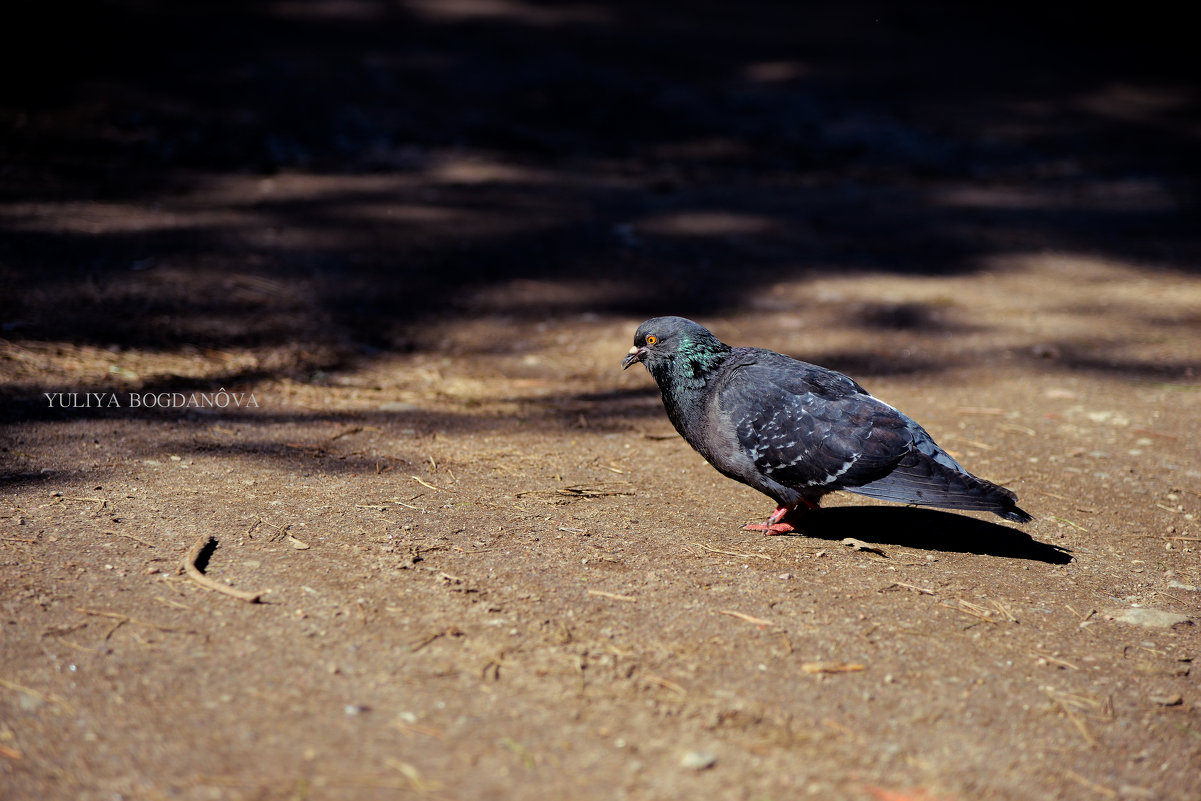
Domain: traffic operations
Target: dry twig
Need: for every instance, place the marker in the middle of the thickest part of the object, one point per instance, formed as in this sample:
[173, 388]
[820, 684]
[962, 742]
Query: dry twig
[832, 667]
[711, 549]
[614, 596]
[425, 483]
[758, 621]
[193, 572]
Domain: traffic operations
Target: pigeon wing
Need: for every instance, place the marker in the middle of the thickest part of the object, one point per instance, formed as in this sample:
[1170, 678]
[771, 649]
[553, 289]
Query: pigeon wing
[809, 428]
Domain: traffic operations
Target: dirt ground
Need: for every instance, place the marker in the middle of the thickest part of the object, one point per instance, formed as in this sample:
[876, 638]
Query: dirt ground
[344, 286]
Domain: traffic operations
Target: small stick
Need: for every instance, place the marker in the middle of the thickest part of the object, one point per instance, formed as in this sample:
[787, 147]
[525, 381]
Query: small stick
[124, 619]
[914, 587]
[1004, 610]
[53, 698]
[425, 483]
[758, 621]
[189, 566]
[732, 553]
[968, 608]
[666, 684]
[832, 667]
[612, 595]
[1090, 784]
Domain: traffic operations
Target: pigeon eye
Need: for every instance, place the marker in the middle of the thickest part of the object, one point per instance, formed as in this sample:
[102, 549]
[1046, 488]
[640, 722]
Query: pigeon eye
[652, 339]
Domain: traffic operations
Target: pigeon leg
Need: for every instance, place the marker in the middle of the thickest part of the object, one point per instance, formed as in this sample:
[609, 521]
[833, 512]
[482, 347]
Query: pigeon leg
[775, 524]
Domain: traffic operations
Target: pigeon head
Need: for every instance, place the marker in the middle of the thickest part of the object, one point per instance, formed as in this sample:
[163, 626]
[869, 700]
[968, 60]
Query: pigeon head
[677, 347]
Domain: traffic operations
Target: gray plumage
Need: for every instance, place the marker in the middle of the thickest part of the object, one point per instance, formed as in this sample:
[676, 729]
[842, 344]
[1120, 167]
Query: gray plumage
[796, 431]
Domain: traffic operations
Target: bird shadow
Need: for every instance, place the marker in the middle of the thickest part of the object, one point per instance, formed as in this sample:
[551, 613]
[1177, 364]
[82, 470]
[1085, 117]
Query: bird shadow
[928, 530]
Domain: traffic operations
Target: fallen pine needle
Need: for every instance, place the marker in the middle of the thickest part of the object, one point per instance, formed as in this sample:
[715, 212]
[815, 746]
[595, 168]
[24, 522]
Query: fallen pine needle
[711, 549]
[125, 619]
[612, 595]
[1090, 784]
[832, 667]
[11, 753]
[666, 684]
[1070, 523]
[193, 572]
[758, 621]
[914, 587]
[52, 698]
[425, 483]
[969, 608]
[1065, 702]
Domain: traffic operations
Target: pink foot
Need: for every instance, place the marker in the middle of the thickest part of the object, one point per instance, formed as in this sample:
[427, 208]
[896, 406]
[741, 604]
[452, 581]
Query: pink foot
[776, 525]
[770, 529]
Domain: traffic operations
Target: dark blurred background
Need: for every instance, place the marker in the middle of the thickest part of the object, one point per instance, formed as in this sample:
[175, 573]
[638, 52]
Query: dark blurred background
[348, 173]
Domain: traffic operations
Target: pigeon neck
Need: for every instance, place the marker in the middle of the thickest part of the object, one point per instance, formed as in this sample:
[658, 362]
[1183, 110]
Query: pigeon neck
[683, 378]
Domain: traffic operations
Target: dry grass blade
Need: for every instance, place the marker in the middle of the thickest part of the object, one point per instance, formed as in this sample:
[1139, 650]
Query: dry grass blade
[193, 572]
[969, 608]
[596, 490]
[739, 554]
[1090, 784]
[832, 667]
[48, 697]
[1076, 526]
[1068, 704]
[912, 587]
[612, 595]
[425, 483]
[125, 619]
[758, 621]
[1004, 610]
[666, 684]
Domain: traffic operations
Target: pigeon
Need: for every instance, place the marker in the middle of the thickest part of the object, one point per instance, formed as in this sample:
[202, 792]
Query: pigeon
[796, 431]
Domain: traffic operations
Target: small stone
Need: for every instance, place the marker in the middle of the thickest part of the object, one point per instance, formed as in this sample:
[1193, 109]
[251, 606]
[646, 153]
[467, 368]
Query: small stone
[698, 760]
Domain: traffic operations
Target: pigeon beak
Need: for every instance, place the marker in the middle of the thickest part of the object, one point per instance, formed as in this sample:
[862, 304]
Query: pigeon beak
[635, 355]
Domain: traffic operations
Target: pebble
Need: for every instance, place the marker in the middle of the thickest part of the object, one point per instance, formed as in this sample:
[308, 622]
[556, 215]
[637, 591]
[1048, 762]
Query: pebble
[1151, 618]
[698, 760]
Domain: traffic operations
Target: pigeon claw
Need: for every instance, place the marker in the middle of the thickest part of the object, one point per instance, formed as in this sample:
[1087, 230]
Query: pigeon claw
[776, 523]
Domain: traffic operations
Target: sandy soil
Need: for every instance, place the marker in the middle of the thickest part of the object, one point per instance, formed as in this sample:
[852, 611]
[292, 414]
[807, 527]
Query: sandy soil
[408, 245]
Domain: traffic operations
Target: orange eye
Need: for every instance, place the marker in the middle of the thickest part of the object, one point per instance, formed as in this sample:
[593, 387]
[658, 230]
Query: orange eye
[652, 339]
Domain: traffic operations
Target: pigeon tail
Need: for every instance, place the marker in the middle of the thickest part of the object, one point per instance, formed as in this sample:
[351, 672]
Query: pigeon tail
[919, 479]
